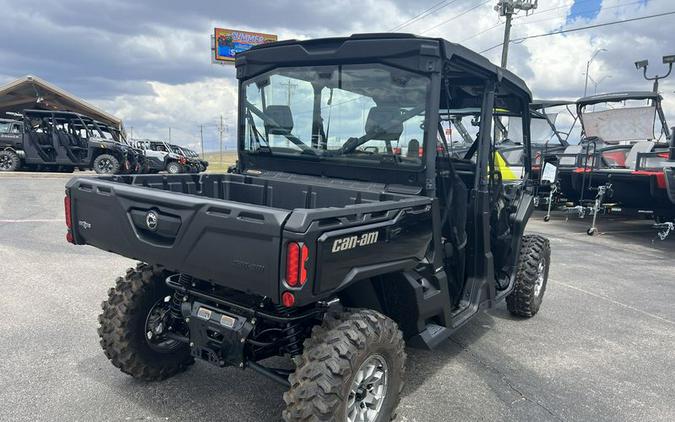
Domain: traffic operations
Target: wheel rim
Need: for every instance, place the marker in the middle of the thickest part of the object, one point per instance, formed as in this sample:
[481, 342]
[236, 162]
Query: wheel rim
[368, 390]
[105, 165]
[541, 275]
[5, 162]
[157, 326]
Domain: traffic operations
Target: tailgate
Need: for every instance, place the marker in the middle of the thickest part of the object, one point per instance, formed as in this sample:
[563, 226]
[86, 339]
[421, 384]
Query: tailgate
[229, 243]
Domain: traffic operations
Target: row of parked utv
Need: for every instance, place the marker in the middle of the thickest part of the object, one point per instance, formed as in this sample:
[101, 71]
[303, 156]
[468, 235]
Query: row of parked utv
[61, 141]
[622, 164]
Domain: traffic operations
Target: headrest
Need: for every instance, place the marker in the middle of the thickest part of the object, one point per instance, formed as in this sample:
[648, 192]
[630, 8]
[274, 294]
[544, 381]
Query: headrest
[384, 123]
[413, 149]
[280, 120]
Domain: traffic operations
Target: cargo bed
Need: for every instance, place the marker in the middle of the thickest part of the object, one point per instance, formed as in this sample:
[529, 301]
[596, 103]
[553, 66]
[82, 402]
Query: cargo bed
[228, 228]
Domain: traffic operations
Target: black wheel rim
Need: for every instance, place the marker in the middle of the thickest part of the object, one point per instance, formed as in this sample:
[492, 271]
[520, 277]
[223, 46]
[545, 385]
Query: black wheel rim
[158, 324]
[105, 165]
[6, 162]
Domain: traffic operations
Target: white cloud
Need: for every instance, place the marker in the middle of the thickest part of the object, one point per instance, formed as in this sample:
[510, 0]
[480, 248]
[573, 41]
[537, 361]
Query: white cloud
[152, 67]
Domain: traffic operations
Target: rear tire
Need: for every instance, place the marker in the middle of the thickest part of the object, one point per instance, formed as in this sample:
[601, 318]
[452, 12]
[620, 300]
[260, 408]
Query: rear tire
[174, 168]
[532, 276]
[326, 386]
[106, 164]
[9, 161]
[124, 321]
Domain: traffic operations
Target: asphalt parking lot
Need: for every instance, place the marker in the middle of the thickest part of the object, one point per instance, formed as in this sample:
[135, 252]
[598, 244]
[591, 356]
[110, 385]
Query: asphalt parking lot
[602, 347]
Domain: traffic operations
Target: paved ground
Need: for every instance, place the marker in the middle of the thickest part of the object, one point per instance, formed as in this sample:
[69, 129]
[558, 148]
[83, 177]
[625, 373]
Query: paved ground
[602, 348]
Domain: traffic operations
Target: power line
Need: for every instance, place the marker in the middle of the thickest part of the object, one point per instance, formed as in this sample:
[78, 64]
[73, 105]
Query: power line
[542, 11]
[456, 16]
[582, 28]
[423, 14]
[480, 33]
[582, 11]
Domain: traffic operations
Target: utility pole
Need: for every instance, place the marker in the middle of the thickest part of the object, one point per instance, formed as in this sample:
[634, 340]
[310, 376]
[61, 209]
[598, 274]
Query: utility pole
[220, 131]
[290, 87]
[508, 8]
[201, 137]
[588, 68]
[169, 135]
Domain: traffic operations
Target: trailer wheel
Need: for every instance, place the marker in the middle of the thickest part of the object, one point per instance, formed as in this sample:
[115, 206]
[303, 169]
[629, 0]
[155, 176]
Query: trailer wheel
[106, 164]
[531, 278]
[9, 161]
[174, 168]
[133, 326]
[351, 369]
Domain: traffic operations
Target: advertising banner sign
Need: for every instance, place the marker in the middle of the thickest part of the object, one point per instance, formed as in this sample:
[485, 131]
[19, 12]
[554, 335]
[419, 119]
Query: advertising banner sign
[228, 42]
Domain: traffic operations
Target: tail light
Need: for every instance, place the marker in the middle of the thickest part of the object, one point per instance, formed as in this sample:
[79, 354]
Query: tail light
[69, 219]
[296, 258]
[287, 299]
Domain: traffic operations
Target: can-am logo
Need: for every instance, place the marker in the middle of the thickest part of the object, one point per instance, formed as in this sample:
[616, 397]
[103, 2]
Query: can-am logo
[151, 220]
[352, 242]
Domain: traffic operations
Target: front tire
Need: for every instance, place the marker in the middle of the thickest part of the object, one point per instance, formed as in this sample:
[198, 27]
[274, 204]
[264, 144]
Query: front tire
[9, 161]
[532, 276]
[106, 164]
[125, 338]
[174, 168]
[351, 367]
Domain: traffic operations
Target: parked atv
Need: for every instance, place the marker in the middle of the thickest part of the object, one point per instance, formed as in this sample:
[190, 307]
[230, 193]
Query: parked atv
[62, 141]
[162, 156]
[327, 244]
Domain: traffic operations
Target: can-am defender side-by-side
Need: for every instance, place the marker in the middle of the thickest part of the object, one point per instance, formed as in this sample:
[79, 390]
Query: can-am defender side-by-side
[619, 165]
[62, 141]
[195, 159]
[327, 244]
[162, 156]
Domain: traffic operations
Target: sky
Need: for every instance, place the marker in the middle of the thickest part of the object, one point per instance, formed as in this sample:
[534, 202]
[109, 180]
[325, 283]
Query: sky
[149, 62]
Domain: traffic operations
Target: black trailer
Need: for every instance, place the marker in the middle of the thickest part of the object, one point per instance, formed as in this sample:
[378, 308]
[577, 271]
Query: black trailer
[63, 141]
[326, 244]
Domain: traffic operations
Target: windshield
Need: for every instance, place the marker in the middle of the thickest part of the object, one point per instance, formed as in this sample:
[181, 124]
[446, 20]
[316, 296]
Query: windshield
[346, 112]
[631, 120]
[541, 131]
[5, 127]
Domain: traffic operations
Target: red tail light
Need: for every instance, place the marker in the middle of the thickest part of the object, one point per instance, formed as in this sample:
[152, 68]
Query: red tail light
[287, 299]
[296, 257]
[69, 218]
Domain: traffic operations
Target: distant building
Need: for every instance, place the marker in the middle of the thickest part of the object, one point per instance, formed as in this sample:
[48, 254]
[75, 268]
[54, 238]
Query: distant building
[31, 92]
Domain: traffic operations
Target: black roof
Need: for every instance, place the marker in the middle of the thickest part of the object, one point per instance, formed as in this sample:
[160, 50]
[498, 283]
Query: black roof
[541, 104]
[360, 47]
[618, 97]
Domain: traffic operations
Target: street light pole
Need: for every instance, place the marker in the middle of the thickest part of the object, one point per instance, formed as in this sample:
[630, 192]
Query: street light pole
[643, 64]
[588, 67]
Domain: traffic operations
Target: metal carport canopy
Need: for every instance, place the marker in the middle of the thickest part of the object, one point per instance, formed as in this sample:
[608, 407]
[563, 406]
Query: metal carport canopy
[31, 92]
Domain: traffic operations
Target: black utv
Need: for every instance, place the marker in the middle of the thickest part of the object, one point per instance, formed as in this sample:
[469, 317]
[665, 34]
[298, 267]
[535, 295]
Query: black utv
[329, 243]
[63, 141]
